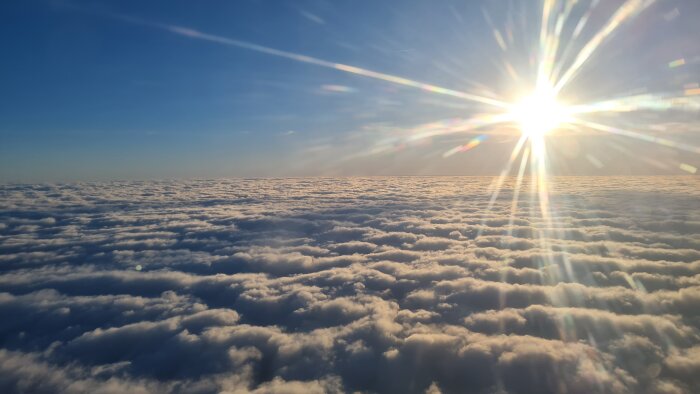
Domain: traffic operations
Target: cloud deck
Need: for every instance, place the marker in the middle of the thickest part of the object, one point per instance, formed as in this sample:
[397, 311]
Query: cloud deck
[333, 285]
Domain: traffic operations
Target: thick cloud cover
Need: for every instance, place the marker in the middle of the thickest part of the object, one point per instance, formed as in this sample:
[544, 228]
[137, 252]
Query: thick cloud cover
[333, 285]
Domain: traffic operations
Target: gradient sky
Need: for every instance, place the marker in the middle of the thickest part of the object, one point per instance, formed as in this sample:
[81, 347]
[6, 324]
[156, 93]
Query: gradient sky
[104, 90]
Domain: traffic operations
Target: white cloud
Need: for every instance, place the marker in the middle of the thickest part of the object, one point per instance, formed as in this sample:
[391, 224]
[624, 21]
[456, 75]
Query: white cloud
[334, 285]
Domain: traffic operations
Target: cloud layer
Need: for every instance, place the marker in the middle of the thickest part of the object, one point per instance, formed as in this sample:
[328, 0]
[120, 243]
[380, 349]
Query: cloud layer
[331, 285]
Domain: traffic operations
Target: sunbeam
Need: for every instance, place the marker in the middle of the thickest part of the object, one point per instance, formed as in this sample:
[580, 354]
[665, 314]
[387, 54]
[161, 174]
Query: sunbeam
[198, 35]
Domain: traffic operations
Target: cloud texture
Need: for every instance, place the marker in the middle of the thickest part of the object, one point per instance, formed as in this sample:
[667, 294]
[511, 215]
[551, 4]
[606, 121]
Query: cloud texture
[333, 285]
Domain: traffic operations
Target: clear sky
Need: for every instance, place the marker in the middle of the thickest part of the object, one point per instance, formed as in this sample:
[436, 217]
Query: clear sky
[134, 89]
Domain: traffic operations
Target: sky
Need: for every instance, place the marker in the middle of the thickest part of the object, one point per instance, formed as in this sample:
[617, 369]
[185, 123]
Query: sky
[179, 89]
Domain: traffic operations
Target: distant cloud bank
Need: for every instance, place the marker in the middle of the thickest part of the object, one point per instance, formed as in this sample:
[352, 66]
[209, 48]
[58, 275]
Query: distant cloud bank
[393, 285]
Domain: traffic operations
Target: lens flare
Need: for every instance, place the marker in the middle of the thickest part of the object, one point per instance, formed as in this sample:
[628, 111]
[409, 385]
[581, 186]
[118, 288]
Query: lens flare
[535, 115]
[539, 114]
[565, 42]
[559, 57]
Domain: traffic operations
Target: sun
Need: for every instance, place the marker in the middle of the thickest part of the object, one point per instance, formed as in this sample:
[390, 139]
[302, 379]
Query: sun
[538, 114]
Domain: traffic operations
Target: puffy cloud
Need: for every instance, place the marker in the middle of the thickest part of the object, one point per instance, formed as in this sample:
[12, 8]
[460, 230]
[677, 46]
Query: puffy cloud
[333, 285]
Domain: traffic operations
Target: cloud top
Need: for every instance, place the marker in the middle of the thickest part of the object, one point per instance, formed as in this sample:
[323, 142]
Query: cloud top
[388, 285]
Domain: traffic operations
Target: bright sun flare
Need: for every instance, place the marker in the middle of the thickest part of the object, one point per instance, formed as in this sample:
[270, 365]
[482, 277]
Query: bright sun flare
[538, 114]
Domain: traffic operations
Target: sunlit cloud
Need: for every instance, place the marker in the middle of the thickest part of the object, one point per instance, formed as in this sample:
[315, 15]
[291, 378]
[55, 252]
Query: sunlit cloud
[198, 284]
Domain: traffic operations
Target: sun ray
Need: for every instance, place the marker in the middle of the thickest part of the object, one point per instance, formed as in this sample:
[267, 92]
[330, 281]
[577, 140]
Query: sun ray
[628, 10]
[639, 136]
[548, 44]
[570, 44]
[641, 102]
[199, 35]
[497, 184]
[495, 189]
[516, 189]
[458, 126]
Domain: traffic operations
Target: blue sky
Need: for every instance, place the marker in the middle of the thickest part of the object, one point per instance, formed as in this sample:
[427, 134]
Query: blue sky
[97, 90]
